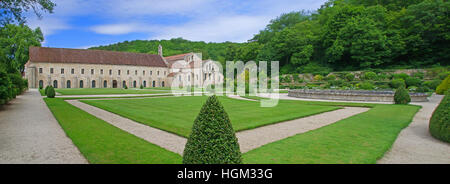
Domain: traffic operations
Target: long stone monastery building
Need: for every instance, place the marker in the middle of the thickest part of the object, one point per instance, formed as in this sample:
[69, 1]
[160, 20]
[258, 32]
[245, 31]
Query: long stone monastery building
[81, 68]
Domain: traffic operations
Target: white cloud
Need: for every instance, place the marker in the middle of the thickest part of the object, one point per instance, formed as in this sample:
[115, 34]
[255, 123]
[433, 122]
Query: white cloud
[217, 29]
[48, 25]
[205, 20]
[115, 29]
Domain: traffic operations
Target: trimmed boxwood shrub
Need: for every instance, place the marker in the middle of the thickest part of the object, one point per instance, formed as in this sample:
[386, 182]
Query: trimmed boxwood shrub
[396, 83]
[46, 89]
[213, 140]
[443, 75]
[401, 96]
[443, 86]
[318, 78]
[432, 84]
[440, 120]
[403, 76]
[141, 87]
[412, 81]
[330, 77]
[350, 77]
[50, 92]
[369, 76]
[366, 86]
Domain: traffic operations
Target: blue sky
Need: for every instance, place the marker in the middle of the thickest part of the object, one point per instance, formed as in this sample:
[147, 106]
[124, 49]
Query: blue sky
[86, 23]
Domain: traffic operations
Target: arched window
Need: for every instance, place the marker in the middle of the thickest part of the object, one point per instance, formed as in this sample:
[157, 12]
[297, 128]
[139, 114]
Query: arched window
[153, 83]
[81, 83]
[41, 84]
[124, 83]
[105, 84]
[55, 84]
[68, 84]
[145, 84]
[134, 84]
[93, 84]
[162, 84]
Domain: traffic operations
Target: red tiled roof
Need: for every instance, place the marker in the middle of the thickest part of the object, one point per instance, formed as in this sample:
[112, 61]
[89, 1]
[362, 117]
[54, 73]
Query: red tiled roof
[176, 57]
[171, 74]
[83, 56]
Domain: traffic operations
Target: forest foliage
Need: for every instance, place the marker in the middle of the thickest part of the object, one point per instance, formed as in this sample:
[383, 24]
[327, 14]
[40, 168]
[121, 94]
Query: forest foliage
[341, 35]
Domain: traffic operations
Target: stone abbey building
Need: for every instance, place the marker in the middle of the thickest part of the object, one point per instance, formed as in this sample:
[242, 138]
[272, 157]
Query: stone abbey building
[82, 68]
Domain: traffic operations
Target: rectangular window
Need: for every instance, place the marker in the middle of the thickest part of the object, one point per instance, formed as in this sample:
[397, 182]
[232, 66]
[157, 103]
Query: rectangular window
[110, 72]
[82, 71]
[51, 70]
[72, 71]
[135, 72]
[164, 73]
[118, 72]
[62, 70]
[101, 71]
[151, 72]
[157, 73]
[40, 70]
[128, 72]
[92, 71]
[143, 72]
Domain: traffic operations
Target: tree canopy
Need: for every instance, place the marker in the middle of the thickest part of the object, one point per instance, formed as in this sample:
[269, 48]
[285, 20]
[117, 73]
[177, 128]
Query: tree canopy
[341, 35]
[12, 10]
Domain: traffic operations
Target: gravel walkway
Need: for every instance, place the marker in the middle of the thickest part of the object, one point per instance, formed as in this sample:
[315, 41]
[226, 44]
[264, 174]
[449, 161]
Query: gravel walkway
[415, 145]
[240, 98]
[29, 134]
[254, 138]
[156, 136]
[119, 95]
[248, 140]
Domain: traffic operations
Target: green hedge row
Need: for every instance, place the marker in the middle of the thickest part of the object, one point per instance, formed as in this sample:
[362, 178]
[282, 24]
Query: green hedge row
[440, 120]
[11, 85]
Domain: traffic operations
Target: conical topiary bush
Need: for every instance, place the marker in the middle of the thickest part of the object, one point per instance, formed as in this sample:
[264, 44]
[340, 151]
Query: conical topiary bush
[212, 140]
[51, 92]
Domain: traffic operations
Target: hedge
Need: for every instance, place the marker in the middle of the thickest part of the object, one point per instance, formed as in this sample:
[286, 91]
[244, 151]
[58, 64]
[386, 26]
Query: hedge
[440, 120]
[444, 86]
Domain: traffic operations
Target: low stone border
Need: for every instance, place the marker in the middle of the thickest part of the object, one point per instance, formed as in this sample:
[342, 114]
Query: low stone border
[353, 95]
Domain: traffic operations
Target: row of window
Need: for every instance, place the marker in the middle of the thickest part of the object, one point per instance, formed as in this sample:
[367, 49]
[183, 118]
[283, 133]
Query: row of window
[93, 84]
[72, 71]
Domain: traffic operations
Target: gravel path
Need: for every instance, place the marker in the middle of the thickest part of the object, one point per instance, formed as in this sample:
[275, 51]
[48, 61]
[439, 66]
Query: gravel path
[29, 134]
[415, 145]
[120, 95]
[248, 140]
[156, 136]
[254, 138]
[240, 98]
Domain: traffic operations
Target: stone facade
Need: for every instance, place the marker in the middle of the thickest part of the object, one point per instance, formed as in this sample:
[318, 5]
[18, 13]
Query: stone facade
[353, 95]
[68, 68]
[66, 75]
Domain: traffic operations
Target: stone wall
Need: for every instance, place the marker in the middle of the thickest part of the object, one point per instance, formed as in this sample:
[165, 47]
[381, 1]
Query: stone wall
[40, 73]
[353, 95]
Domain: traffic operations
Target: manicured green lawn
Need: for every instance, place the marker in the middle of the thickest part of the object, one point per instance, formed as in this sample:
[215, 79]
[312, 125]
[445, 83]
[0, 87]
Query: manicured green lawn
[177, 114]
[102, 143]
[361, 139]
[42, 92]
[104, 91]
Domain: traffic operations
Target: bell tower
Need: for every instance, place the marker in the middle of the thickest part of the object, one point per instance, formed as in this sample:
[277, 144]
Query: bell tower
[160, 51]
